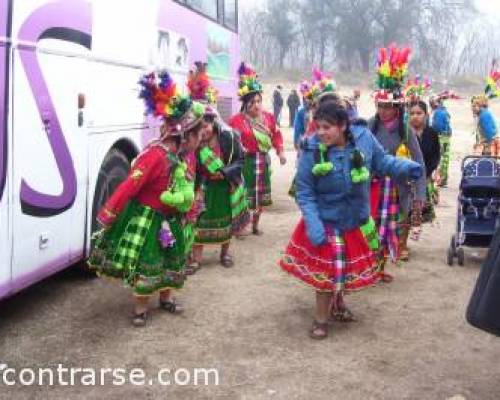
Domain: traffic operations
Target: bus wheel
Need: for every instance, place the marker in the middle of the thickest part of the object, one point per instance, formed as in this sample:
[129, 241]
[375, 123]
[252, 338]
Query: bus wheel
[114, 170]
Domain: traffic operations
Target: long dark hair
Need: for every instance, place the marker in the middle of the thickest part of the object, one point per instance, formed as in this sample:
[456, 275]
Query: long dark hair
[401, 123]
[247, 99]
[335, 114]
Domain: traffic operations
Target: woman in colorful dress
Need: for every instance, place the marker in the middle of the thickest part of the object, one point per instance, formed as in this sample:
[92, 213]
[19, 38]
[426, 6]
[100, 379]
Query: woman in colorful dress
[258, 135]
[428, 139]
[333, 248]
[143, 241]
[391, 202]
[220, 161]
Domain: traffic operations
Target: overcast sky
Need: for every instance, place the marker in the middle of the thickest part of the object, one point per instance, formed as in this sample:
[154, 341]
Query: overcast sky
[486, 6]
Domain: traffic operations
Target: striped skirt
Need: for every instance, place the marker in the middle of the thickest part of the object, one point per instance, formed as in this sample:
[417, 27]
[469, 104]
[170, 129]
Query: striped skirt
[347, 262]
[257, 175]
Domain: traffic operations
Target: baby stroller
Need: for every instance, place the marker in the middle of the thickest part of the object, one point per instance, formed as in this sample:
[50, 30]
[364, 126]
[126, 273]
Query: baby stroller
[478, 214]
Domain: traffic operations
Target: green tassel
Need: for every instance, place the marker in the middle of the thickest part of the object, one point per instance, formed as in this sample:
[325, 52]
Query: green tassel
[360, 175]
[181, 193]
[322, 169]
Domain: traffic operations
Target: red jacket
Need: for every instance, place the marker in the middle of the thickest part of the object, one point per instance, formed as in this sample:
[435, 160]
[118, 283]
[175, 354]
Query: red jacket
[240, 123]
[148, 178]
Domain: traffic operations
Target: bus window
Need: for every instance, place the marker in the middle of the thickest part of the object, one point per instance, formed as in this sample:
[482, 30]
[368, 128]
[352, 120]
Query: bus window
[206, 7]
[230, 14]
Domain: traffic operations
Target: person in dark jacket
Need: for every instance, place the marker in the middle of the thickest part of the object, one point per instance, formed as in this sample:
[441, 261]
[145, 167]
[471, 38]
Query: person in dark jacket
[293, 103]
[428, 139]
[223, 197]
[278, 104]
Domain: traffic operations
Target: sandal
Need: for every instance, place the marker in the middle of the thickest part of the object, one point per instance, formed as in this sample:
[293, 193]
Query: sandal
[226, 261]
[405, 255]
[139, 320]
[386, 278]
[319, 330]
[192, 268]
[343, 315]
[171, 306]
[257, 232]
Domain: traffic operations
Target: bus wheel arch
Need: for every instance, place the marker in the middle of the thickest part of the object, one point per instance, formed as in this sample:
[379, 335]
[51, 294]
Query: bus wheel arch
[114, 169]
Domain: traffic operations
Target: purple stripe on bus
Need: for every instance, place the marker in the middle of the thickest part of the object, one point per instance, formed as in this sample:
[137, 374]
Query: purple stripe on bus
[42, 272]
[4, 11]
[75, 15]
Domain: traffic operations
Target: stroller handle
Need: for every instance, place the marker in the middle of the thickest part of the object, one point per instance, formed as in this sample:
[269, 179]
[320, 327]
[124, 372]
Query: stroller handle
[477, 158]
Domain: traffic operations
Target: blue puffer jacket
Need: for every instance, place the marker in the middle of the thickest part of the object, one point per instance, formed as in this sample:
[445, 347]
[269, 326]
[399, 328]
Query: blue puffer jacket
[487, 125]
[441, 121]
[334, 198]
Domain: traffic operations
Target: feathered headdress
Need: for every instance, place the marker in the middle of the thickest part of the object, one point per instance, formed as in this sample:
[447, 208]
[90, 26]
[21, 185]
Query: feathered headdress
[324, 82]
[248, 81]
[162, 99]
[446, 95]
[391, 73]
[417, 88]
[492, 89]
[321, 84]
[199, 84]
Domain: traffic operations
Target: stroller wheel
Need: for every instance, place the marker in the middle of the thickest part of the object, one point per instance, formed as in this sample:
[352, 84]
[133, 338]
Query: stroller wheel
[453, 245]
[451, 257]
[461, 257]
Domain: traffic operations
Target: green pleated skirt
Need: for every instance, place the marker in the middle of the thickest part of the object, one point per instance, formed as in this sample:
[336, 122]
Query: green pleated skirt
[214, 225]
[130, 250]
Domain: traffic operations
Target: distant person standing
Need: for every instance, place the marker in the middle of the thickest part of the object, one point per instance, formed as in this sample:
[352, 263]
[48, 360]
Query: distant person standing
[277, 104]
[293, 103]
[442, 125]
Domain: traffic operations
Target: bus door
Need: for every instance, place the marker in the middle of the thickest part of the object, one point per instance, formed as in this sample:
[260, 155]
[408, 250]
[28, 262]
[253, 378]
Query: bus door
[50, 141]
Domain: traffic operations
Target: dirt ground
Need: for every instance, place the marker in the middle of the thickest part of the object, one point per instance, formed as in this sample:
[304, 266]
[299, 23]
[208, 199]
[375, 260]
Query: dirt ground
[251, 323]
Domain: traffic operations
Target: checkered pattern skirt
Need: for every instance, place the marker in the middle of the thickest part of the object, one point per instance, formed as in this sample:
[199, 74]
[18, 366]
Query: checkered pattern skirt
[346, 263]
[130, 250]
[257, 174]
[385, 210]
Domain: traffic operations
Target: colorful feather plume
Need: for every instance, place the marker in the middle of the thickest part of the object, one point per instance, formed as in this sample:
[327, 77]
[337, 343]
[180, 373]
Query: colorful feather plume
[417, 88]
[248, 82]
[392, 67]
[161, 98]
[492, 89]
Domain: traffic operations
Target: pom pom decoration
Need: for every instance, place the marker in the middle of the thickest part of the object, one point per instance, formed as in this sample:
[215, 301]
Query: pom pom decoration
[199, 86]
[323, 167]
[181, 193]
[359, 172]
[248, 82]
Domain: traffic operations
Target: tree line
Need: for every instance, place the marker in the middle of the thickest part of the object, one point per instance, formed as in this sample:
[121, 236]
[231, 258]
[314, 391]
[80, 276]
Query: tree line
[448, 37]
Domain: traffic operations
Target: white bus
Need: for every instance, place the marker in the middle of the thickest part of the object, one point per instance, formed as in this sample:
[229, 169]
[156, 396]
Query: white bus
[70, 117]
